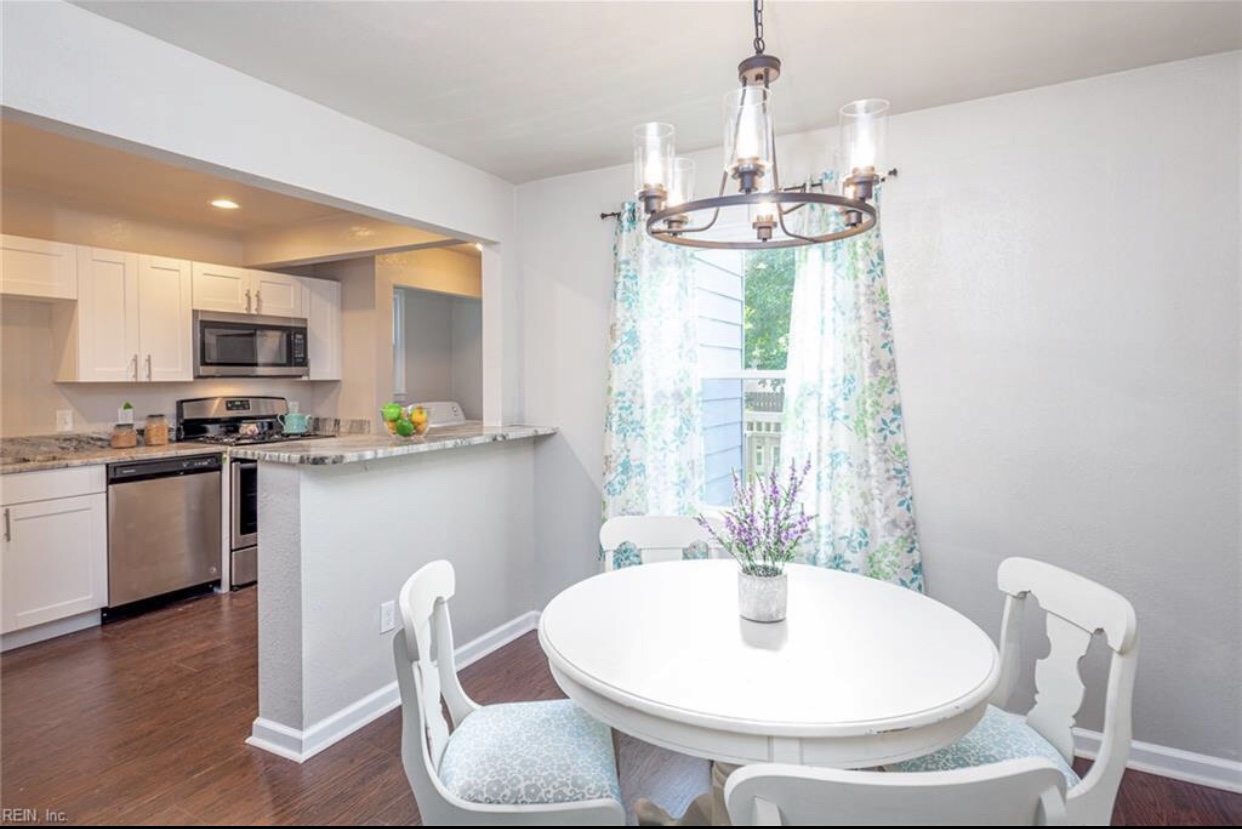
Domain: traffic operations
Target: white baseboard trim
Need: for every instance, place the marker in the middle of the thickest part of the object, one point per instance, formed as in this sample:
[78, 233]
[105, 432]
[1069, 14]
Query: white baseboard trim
[49, 630]
[300, 746]
[1201, 769]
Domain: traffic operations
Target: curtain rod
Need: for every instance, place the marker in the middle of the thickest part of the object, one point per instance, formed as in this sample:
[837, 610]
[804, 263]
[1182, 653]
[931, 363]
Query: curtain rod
[616, 214]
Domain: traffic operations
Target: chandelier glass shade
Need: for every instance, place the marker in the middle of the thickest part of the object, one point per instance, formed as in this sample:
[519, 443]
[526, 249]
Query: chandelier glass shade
[761, 211]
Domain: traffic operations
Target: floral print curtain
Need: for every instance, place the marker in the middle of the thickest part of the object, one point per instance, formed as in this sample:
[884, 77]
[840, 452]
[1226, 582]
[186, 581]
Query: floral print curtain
[653, 435]
[843, 409]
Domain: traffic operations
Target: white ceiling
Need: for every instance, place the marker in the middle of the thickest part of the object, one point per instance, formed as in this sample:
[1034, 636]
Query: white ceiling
[81, 172]
[533, 89]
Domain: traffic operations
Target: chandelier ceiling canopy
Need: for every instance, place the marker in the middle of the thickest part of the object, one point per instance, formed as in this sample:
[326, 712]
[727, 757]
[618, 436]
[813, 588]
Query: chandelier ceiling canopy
[664, 181]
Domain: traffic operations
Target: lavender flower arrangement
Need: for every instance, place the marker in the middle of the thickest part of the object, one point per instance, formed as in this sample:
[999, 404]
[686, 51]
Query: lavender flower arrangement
[766, 524]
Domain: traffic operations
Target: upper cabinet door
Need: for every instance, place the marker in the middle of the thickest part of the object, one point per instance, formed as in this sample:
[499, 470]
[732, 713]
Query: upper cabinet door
[322, 303]
[277, 294]
[38, 268]
[165, 319]
[107, 340]
[222, 288]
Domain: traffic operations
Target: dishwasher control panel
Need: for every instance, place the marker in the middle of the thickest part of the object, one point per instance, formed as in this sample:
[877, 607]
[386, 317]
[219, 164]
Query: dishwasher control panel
[164, 467]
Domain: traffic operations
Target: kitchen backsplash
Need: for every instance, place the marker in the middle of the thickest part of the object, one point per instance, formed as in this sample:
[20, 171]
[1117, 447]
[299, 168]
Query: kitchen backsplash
[29, 398]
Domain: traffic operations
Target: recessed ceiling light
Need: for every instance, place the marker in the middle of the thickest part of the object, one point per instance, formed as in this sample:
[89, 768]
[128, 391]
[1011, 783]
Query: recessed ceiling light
[225, 204]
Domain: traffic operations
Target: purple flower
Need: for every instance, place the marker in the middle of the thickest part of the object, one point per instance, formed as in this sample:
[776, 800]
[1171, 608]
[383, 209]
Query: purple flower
[767, 522]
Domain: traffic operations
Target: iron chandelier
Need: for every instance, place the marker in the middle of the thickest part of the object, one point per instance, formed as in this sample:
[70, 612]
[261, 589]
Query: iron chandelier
[664, 182]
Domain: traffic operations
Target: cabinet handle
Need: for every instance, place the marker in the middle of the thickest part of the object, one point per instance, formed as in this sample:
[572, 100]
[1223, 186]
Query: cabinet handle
[8, 526]
[258, 301]
[247, 300]
[135, 367]
[148, 367]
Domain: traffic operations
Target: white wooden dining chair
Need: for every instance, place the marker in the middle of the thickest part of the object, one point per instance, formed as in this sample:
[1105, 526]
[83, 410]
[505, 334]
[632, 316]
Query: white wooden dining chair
[517, 764]
[1028, 792]
[629, 540]
[1076, 609]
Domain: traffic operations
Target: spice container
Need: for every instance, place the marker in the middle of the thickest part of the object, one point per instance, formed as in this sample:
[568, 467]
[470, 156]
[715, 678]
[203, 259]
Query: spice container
[156, 433]
[124, 436]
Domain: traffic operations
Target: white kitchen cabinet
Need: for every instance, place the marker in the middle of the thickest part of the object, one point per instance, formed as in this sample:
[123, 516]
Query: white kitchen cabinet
[106, 337]
[222, 288]
[165, 319]
[54, 559]
[132, 321]
[321, 300]
[38, 268]
[277, 294]
[245, 291]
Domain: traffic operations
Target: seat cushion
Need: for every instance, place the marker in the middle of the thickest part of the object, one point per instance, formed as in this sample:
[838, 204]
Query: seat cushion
[998, 736]
[530, 752]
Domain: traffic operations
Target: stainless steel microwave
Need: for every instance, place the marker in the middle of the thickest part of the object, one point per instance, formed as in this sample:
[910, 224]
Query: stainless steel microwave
[249, 345]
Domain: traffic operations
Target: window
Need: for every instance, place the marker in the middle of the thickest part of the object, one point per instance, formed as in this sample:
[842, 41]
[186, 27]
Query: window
[744, 302]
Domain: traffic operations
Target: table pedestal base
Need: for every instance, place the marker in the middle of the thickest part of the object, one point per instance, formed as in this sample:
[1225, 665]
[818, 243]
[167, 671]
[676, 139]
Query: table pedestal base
[706, 809]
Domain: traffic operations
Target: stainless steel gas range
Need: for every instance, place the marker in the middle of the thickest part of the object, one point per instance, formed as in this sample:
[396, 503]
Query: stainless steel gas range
[238, 421]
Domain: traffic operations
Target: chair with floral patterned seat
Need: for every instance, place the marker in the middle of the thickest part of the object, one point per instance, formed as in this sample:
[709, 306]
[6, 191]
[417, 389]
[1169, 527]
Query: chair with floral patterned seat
[629, 540]
[545, 763]
[1076, 609]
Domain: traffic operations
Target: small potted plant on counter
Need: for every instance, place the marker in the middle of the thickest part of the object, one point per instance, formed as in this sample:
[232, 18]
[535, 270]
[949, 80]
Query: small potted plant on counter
[762, 531]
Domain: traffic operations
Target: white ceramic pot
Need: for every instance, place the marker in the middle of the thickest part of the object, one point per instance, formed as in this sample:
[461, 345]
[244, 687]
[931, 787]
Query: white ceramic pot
[762, 598]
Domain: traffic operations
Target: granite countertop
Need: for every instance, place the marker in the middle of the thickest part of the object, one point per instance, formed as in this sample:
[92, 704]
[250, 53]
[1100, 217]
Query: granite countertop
[358, 448]
[33, 454]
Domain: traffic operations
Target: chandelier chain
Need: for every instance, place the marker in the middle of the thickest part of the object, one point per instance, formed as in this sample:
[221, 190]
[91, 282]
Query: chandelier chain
[759, 44]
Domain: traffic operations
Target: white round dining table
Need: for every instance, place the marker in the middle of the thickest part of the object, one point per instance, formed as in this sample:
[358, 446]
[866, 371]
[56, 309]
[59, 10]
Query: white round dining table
[859, 674]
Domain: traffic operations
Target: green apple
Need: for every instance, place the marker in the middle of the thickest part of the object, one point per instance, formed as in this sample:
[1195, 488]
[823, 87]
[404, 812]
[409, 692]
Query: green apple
[391, 411]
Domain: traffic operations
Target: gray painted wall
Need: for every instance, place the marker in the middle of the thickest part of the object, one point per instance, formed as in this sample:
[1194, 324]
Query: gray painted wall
[444, 349]
[1064, 269]
[322, 578]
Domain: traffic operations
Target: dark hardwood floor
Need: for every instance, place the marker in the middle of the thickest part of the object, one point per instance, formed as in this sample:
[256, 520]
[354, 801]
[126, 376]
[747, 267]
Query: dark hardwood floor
[142, 721]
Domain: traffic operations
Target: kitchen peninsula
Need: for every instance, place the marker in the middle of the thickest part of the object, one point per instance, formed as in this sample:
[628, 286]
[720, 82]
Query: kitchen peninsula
[346, 521]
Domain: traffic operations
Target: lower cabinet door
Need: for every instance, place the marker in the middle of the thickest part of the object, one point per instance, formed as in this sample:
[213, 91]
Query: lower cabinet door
[55, 560]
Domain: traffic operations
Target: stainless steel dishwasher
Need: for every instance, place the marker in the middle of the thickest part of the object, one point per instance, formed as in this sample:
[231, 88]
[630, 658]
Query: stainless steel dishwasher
[163, 526]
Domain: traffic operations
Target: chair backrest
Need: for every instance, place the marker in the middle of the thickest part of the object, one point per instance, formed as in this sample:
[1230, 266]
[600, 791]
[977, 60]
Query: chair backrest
[1026, 792]
[1076, 609]
[628, 540]
[427, 673]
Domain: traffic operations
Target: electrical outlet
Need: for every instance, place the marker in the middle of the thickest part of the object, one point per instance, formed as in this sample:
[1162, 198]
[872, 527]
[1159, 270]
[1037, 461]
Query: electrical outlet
[388, 616]
[64, 420]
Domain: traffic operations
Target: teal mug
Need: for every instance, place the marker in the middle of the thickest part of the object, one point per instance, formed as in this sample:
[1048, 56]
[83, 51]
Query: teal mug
[294, 423]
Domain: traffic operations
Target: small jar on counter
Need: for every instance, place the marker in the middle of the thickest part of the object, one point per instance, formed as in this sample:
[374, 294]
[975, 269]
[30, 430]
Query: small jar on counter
[156, 433]
[124, 436]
